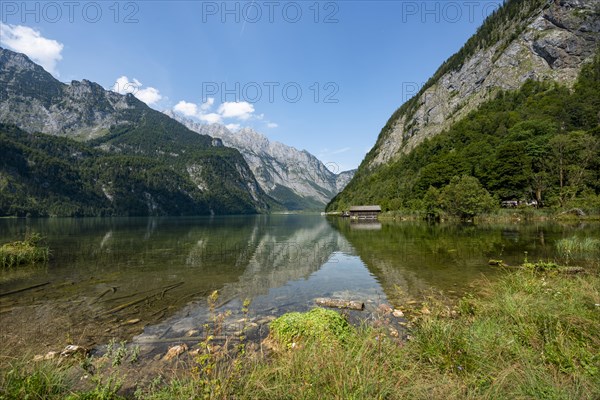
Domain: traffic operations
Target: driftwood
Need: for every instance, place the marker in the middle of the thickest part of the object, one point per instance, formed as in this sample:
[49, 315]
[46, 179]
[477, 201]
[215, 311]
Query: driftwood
[24, 289]
[157, 292]
[339, 303]
[111, 289]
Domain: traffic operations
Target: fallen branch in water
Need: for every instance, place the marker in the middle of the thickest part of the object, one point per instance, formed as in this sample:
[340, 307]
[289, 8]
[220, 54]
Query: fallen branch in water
[111, 289]
[24, 289]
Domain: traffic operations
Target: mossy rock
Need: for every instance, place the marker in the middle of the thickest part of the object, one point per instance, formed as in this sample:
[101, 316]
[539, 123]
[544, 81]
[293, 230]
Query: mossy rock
[317, 325]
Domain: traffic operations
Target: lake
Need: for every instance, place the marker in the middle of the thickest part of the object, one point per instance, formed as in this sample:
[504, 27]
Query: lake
[146, 280]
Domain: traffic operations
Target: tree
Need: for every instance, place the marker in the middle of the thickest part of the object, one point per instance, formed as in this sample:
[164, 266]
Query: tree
[431, 203]
[464, 197]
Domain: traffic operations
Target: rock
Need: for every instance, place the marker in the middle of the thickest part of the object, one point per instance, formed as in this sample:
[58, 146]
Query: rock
[73, 350]
[339, 303]
[175, 351]
[425, 311]
[385, 309]
[51, 355]
[398, 313]
[265, 320]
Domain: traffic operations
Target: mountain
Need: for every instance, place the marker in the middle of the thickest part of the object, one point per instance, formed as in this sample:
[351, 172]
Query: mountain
[296, 179]
[117, 155]
[508, 91]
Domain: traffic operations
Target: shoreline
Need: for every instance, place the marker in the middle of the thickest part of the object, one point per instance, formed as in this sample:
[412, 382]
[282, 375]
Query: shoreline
[434, 356]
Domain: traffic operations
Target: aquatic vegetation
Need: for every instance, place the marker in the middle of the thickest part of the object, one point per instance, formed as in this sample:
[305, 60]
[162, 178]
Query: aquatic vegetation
[27, 252]
[577, 247]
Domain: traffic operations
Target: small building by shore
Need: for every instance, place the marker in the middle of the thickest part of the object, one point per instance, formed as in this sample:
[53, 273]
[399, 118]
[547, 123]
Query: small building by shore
[364, 212]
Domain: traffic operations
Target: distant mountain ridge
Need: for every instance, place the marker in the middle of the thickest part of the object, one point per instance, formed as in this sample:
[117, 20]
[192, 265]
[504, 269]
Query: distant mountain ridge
[137, 161]
[295, 178]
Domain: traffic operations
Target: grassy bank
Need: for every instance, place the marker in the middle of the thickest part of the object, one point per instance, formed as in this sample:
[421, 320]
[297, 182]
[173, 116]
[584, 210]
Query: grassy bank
[27, 252]
[528, 335]
[499, 215]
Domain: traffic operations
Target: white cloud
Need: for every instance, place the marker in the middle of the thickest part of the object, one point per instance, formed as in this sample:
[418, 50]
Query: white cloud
[211, 118]
[229, 110]
[272, 125]
[232, 109]
[207, 104]
[187, 109]
[232, 127]
[24, 39]
[148, 95]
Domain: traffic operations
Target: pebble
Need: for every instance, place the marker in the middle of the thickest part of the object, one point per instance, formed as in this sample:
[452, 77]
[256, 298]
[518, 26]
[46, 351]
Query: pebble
[384, 308]
[73, 350]
[398, 313]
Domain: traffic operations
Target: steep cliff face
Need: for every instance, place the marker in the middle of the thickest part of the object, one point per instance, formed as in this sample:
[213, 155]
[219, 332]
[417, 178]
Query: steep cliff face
[295, 178]
[525, 39]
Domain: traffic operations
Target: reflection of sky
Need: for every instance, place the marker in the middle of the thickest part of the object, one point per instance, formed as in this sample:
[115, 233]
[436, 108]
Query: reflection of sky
[342, 276]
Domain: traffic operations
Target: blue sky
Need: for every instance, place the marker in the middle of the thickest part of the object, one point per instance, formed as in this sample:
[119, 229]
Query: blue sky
[244, 63]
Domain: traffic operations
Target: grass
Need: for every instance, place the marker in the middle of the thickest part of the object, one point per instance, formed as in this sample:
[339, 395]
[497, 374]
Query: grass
[27, 252]
[319, 324]
[528, 335]
[577, 247]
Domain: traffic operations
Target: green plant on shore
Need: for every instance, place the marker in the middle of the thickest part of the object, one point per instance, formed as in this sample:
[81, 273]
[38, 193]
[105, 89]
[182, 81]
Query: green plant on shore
[319, 324]
[30, 251]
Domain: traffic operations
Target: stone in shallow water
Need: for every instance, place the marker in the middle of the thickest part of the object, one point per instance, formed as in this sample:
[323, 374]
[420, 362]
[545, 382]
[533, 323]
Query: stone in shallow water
[398, 313]
[175, 351]
[74, 350]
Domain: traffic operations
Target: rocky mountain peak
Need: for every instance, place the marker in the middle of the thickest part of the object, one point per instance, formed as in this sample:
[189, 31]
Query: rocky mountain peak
[295, 178]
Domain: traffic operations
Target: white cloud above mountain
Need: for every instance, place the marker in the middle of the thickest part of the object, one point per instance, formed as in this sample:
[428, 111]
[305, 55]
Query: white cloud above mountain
[23, 39]
[148, 95]
[236, 109]
[229, 110]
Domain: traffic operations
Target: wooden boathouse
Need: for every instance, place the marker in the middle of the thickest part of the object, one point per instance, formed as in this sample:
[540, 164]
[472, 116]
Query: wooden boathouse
[364, 212]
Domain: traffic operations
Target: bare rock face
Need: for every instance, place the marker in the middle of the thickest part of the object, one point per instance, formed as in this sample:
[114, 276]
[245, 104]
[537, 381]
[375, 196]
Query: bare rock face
[278, 168]
[550, 44]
